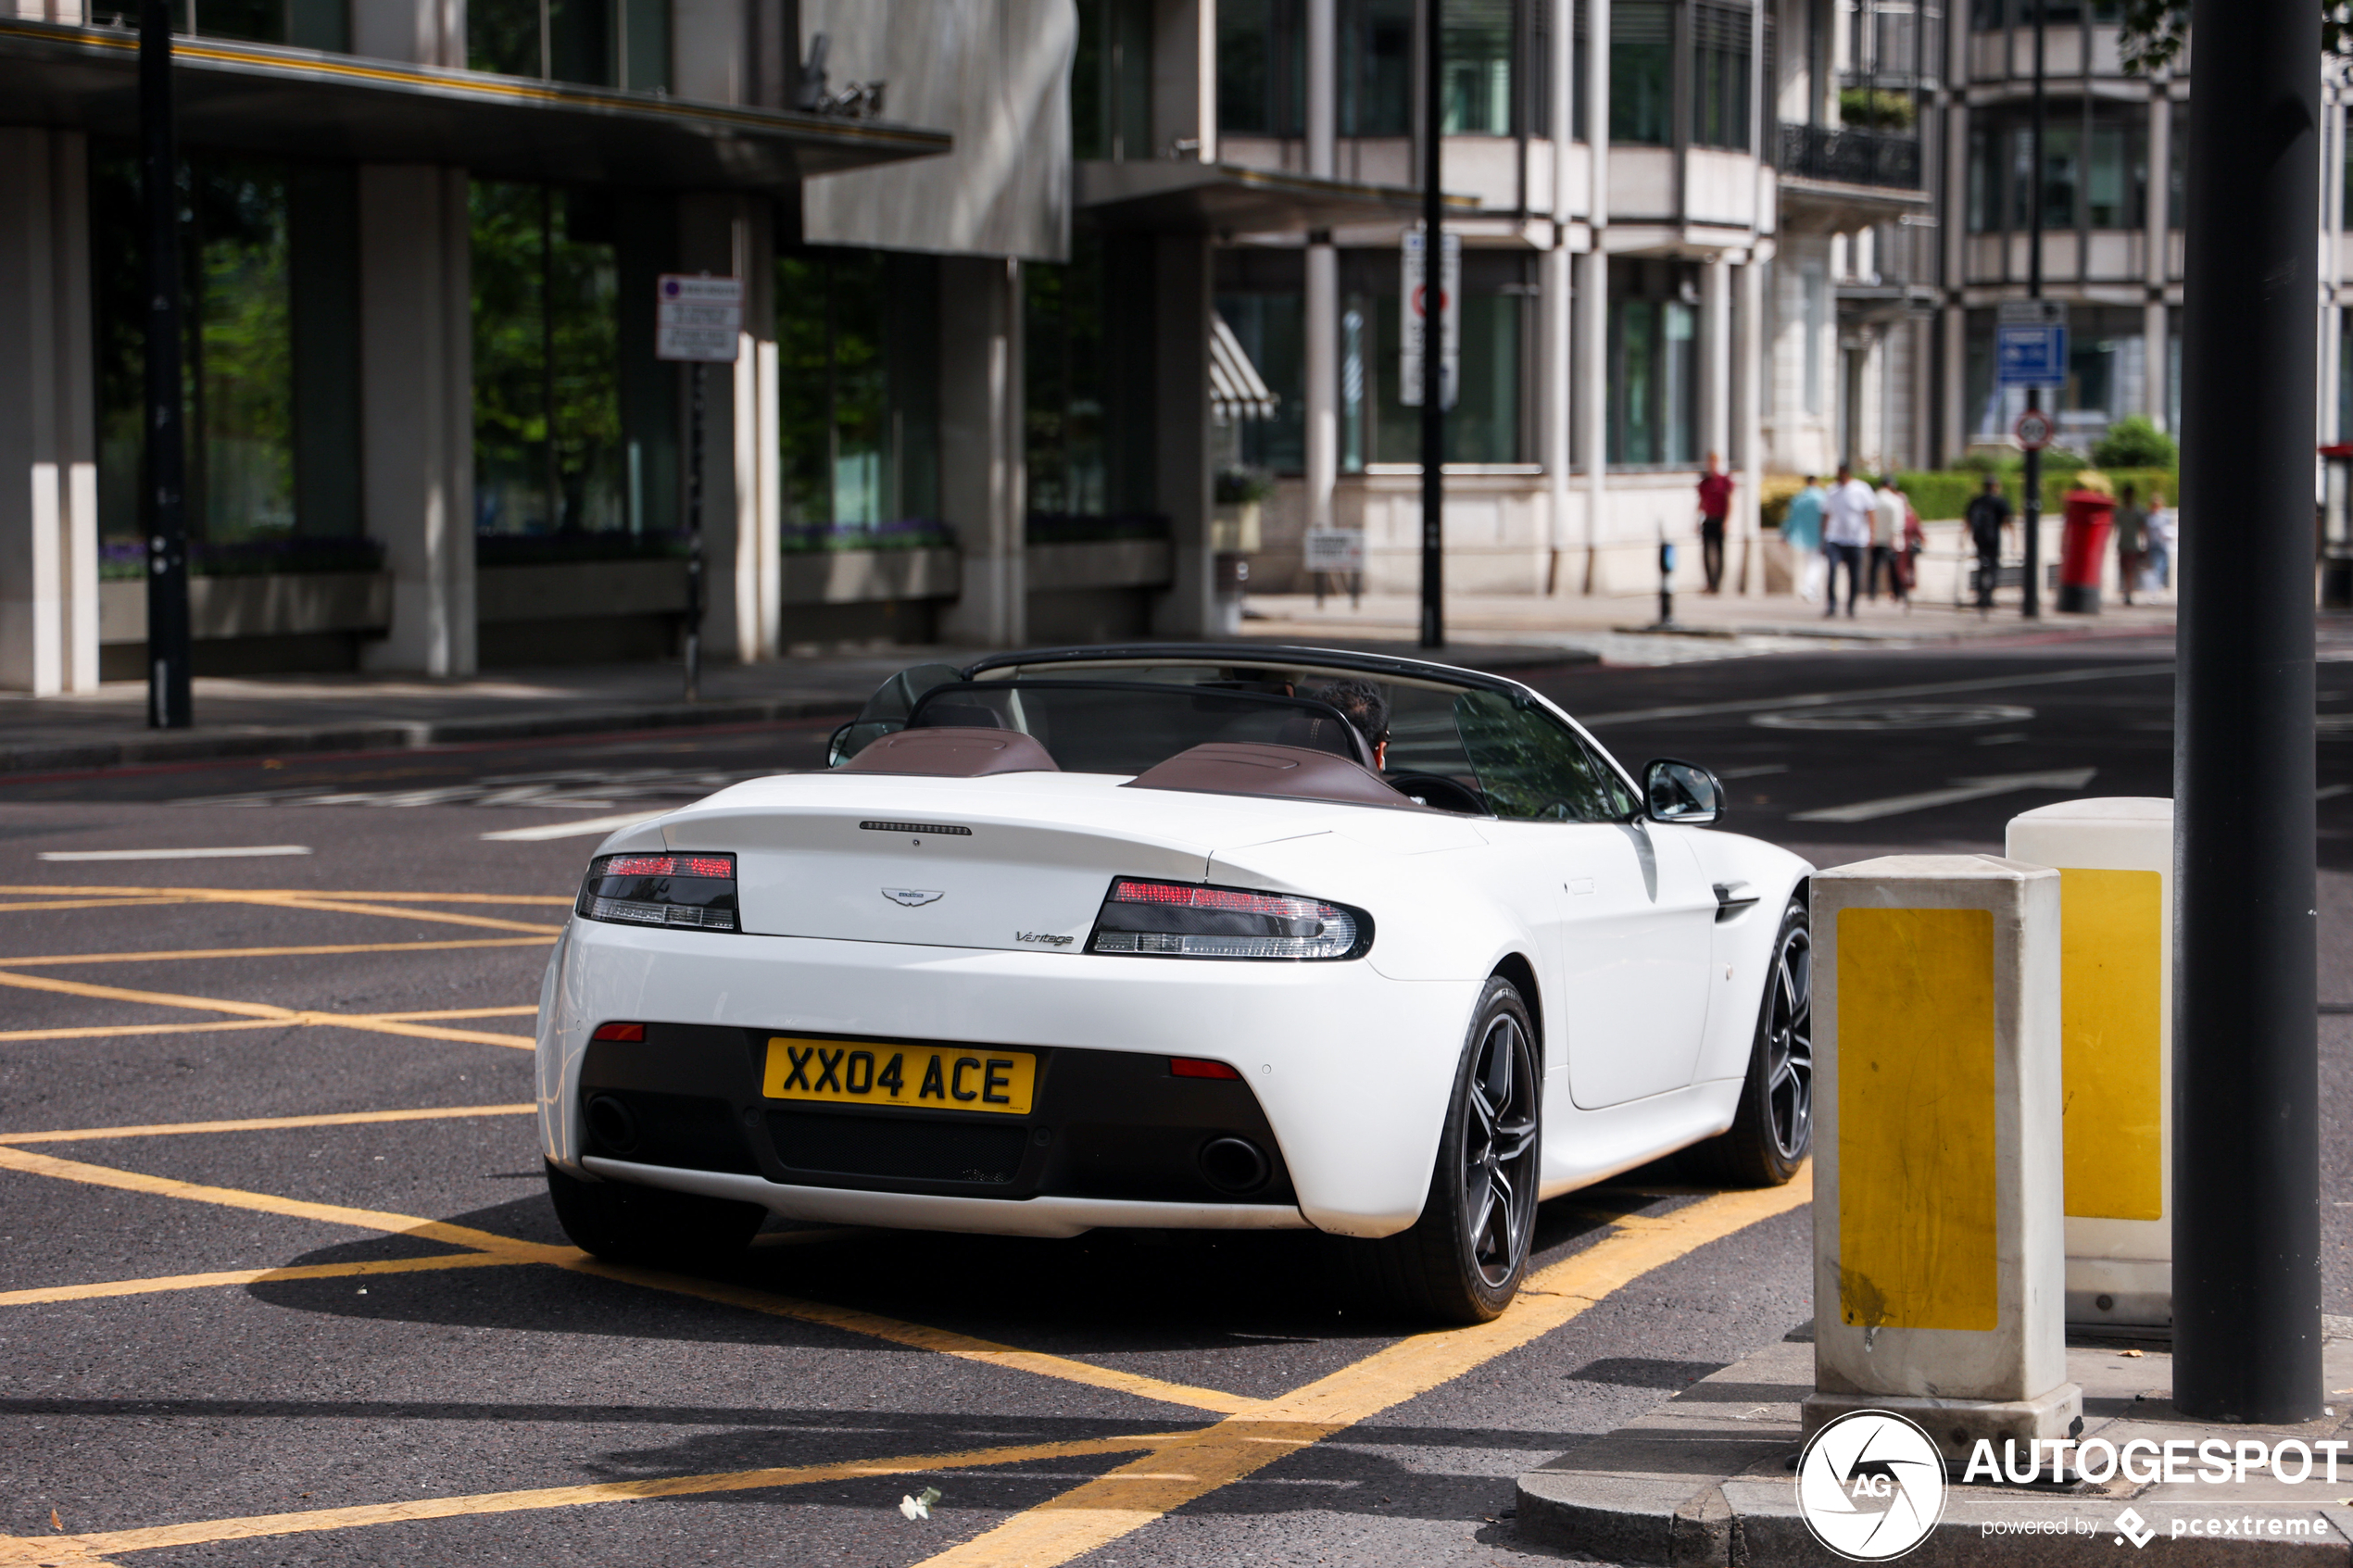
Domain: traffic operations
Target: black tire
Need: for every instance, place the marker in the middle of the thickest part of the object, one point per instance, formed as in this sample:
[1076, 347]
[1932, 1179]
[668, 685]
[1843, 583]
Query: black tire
[1774, 1129]
[623, 1223]
[1463, 1260]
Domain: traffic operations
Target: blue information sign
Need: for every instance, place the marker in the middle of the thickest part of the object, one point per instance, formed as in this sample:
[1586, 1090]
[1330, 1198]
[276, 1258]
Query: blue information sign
[2030, 354]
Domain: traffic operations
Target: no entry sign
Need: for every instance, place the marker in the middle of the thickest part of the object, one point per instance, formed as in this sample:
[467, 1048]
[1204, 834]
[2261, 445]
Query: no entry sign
[2034, 430]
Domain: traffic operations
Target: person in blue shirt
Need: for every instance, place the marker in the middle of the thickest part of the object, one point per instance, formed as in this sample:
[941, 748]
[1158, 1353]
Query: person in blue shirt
[1802, 530]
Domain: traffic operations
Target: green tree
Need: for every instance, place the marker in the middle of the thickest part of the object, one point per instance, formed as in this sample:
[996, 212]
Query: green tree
[2153, 32]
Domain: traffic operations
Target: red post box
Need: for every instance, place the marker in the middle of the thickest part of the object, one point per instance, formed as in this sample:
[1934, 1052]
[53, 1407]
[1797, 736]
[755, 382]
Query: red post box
[2083, 550]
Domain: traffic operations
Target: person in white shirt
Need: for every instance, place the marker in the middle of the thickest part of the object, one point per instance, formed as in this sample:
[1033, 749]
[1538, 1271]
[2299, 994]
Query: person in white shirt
[1887, 541]
[2160, 542]
[1847, 529]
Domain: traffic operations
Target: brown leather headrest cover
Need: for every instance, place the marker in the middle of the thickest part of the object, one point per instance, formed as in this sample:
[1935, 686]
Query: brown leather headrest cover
[1260, 768]
[951, 753]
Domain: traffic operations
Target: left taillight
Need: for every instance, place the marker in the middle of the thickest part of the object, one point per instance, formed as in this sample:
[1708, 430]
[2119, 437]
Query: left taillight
[1180, 919]
[697, 890]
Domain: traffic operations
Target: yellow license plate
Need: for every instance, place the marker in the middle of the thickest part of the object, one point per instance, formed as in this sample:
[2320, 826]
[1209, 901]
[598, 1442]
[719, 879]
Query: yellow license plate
[940, 1078]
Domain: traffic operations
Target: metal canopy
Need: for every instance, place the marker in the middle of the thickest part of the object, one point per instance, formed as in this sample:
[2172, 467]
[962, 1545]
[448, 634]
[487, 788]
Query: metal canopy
[264, 98]
[1185, 196]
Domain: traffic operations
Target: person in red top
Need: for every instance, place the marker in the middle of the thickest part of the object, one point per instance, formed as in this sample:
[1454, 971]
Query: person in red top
[1715, 505]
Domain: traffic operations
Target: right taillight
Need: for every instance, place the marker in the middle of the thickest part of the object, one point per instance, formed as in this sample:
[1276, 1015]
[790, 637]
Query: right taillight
[1180, 919]
[695, 890]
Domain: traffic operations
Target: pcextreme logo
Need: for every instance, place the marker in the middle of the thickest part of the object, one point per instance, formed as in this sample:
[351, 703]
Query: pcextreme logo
[1870, 1485]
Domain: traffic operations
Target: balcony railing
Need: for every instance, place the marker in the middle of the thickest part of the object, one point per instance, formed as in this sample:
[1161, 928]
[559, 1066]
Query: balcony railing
[1851, 158]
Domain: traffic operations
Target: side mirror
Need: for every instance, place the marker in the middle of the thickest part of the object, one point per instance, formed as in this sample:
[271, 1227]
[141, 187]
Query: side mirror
[1681, 792]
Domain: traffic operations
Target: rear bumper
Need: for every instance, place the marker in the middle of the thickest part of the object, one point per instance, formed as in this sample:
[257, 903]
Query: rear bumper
[1351, 1070]
[1043, 1216]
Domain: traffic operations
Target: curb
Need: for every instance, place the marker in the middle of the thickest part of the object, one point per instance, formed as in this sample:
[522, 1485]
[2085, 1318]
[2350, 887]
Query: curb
[395, 735]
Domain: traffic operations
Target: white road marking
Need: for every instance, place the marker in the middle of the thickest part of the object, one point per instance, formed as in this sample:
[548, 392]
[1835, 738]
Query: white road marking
[1898, 716]
[1760, 771]
[1961, 790]
[2330, 792]
[565, 790]
[224, 852]
[581, 829]
[1825, 699]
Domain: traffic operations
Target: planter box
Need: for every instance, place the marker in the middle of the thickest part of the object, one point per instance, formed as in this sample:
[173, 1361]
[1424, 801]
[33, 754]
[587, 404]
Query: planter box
[572, 590]
[837, 577]
[279, 604]
[1121, 563]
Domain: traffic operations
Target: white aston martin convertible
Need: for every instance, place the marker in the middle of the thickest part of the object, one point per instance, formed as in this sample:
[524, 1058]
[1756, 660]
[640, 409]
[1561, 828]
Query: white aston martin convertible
[1177, 937]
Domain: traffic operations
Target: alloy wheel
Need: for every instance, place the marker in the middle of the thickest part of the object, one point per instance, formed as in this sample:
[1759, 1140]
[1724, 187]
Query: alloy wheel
[1499, 1151]
[1789, 1045]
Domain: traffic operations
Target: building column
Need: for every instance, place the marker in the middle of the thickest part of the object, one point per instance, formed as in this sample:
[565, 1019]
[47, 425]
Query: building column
[416, 411]
[742, 493]
[1748, 380]
[1592, 320]
[1958, 415]
[1554, 404]
[1322, 294]
[48, 447]
[981, 469]
[1181, 273]
[1716, 358]
[2156, 253]
[1558, 302]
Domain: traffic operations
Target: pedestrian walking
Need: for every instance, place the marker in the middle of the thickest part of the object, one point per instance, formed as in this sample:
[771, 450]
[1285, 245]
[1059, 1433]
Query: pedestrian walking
[1915, 540]
[1846, 532]
[1715, 505]
[1887, 540]
[1802, 531]
[2162, 522]
[1989, 525]
[2132, 542]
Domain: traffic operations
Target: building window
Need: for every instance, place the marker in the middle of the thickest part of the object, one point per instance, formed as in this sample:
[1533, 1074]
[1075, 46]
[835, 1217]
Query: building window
[1110, 80]
[270, 269]
[597, 43]
[2095, 167]
[548, 452]
[1375, 67]
[857, 349]
[1653, 349]
[1262, 66]
[1479, 44]
[306, 24]
[1719, 77]
[1271, 329]
[1642, 72]
[1486, 425]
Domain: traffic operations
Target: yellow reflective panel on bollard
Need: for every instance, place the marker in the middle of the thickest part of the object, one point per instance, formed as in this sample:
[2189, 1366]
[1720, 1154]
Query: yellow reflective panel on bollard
[1916, 1195]
[1939, 1262]
[2114, 860]
[2112, 988]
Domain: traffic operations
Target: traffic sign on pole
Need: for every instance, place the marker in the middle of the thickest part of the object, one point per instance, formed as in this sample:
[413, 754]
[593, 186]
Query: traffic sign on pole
[2030, 343]
[1450, 320]
[2034, 430]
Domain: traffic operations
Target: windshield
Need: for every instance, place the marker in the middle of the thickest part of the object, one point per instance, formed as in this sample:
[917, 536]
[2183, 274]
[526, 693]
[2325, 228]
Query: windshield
[1475, 751]
[1127, 727]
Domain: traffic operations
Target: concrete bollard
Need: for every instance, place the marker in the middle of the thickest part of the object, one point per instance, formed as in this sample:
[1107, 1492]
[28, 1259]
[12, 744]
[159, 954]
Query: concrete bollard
[1938, 1262]
[2114, 860]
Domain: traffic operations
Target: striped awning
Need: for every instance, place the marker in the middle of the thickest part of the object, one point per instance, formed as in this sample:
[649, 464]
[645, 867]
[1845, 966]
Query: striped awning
[1235, 389]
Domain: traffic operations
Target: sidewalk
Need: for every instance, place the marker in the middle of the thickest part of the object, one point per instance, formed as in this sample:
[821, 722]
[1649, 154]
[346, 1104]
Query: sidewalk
[1620, 628]
[253, 716]
[1708, 1479]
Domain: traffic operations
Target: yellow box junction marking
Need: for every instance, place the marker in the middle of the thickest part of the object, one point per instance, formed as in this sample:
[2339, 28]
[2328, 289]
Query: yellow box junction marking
[2111, 991]
[264, 1014]
[237, 894]
[326, 950]
[1179, 1468]
[1916, 1198]
[80, 1550]
[266, 1124]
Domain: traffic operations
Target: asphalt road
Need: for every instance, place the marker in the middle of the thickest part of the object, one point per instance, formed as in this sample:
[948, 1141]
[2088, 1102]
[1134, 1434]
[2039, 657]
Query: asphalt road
[344, 1327]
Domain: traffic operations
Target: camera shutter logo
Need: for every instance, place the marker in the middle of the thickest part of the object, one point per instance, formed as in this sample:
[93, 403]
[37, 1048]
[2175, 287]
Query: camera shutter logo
[1870, 1485]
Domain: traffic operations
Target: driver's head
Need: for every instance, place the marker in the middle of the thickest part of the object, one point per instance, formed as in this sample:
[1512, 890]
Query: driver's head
[1361, 703]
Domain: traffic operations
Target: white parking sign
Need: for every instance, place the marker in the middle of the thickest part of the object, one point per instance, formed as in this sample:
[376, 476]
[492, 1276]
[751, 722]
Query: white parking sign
[697, 318]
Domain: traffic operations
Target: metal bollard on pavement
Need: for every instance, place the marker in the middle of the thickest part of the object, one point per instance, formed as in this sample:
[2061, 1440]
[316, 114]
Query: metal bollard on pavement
[2114, 860]
[1938, 1261]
